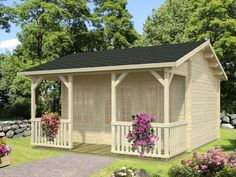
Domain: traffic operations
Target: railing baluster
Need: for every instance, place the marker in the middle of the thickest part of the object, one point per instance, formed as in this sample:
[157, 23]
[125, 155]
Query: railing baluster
[159, 143]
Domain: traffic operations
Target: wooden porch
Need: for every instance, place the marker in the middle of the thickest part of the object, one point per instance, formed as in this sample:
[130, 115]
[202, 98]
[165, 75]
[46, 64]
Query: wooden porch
[172, 135]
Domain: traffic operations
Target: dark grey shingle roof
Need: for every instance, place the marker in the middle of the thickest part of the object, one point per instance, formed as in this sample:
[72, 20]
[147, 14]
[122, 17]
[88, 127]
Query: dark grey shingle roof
[128, 56]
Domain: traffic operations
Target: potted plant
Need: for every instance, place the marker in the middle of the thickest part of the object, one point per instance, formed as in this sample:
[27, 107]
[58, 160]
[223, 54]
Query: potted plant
[5, 158]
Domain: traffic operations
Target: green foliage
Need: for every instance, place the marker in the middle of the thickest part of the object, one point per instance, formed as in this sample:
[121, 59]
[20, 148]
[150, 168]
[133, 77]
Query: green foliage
[227, 172]
[167, 23]
[4, 17]
[113, 24]
[179, 171]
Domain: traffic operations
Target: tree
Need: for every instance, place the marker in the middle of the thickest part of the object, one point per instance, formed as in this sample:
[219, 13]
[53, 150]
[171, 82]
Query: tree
[113, 24]
[167, 23]
[216, 20]
[4, 17]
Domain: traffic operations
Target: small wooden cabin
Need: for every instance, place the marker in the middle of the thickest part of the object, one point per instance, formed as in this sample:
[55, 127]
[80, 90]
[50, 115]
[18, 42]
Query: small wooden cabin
[179, 84]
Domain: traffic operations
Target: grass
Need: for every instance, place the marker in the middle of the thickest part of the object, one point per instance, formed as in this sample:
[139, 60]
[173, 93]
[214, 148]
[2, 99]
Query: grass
[227, 142]
[23, 152]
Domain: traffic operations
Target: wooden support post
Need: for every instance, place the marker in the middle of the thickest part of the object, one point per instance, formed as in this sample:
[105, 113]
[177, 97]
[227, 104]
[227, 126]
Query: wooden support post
[114, 83]
[166, 111]
[70, 109]
[113, 110]
[34, 85]
[166, 96]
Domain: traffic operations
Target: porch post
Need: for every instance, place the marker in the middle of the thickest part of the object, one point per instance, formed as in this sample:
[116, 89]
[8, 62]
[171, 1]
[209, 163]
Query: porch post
[114, 83]
[113, 110]
[70, 109]
[34, 85]
[166, 111]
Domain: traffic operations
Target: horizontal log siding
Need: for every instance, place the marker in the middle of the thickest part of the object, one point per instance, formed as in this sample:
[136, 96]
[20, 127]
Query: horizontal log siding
[204, 102]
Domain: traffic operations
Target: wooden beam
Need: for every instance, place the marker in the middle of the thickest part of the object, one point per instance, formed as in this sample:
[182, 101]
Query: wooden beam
[158, 77]
[171, 77]
[64, 80]
[36, 82]
[120, 78]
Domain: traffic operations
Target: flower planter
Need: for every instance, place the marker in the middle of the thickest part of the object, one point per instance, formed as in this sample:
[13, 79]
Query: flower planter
[5, 161]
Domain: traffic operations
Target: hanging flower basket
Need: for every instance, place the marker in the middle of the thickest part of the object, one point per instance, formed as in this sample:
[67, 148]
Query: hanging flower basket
[50, 124]
[5, 157]
[142, 137]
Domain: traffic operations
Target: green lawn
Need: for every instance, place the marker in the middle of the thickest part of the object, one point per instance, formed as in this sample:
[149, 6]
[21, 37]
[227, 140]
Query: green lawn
[227, 143]
[23, 152]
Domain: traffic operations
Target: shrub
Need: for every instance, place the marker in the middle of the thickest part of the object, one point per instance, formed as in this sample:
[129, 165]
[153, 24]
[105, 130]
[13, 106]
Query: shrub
[131, 172]
[182, 171]
[227, 172]
[50, 125]
[142, 133]
[209, 164]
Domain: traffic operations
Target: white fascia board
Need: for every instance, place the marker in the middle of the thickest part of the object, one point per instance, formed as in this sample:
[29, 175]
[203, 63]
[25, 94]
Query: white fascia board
[96, 69]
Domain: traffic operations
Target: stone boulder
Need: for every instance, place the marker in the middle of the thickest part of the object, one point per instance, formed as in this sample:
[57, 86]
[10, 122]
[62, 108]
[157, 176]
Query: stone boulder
[233, 122]
[225, 119]
[0, 128]
[2, 134]
[233, 116]
[227, 126]
[23, 125]
[19, 130]
[10, 134]
[27, 133]
[6, 128]
[14, 127]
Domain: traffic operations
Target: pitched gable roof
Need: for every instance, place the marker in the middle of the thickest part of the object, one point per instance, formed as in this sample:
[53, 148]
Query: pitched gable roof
[133, 58]
[128, 56]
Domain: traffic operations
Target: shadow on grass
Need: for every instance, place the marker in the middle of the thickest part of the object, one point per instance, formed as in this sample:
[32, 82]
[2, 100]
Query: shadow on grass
[231, 146]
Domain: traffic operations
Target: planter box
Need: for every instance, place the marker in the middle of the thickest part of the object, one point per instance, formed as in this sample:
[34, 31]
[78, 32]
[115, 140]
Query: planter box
[5, 161]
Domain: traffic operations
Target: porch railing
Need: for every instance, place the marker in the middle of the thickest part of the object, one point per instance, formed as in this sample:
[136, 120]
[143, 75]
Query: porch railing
[172, 139]
[62, 140]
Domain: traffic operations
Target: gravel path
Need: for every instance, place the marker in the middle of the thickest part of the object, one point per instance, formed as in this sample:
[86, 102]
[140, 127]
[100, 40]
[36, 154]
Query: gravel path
[68, 165]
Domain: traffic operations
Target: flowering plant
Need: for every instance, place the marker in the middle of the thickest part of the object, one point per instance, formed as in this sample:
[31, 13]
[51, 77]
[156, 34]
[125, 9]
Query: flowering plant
[4, 149]
[50, 124]
[142, 133]
[208, 164]
[131, 172]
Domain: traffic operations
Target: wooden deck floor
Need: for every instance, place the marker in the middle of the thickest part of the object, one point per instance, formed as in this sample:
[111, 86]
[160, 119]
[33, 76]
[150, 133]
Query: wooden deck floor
[99, 149]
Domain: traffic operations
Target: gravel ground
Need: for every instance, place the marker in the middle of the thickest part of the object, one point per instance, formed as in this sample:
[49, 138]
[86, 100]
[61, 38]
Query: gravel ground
[68, 165]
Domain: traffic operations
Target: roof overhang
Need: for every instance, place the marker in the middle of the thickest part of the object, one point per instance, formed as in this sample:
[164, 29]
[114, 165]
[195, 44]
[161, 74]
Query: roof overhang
[97, 69]
[186, 57]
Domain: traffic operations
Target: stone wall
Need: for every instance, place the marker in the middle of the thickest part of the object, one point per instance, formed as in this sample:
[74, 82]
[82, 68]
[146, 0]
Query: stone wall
[12, 129]
[228, 121]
